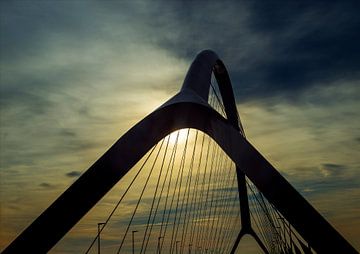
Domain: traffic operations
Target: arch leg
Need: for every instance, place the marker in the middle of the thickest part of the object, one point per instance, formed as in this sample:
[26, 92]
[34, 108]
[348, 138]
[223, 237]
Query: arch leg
[253, 234]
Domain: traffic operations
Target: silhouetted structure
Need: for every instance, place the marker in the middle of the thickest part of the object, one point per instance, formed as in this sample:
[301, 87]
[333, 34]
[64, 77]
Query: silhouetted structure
[190, 108]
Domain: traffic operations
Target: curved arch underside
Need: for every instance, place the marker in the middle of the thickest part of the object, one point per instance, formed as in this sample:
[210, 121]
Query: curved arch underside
[187, 109]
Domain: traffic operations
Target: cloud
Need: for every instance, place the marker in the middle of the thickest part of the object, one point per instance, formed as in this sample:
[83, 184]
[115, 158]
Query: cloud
[270, 49]
[46, 185]
[67, 133]
[55, 89]
[329, 169]
[73, 174]
[274, 49]
[75, 77]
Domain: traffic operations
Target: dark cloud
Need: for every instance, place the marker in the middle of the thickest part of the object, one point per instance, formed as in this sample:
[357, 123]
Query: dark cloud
[310, 44]
[46, 185]
[24, 159]
[329, 169]
[73, 174]
[327, 177]
[28, 23]
[271, 48]
[67, 133]
[318, 186]
[31, 104]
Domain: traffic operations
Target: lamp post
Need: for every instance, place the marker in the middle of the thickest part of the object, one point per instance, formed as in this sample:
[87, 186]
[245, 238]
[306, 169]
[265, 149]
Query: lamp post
[177, 246]
[99, 231]
[159, 238]
[133, 243]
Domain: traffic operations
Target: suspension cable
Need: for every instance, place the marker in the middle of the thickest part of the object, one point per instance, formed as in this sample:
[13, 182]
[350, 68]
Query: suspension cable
[142, 193]
[121, 198]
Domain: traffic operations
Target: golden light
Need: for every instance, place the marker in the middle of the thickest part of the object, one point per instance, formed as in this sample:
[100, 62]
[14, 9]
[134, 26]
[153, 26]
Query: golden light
[179, 135]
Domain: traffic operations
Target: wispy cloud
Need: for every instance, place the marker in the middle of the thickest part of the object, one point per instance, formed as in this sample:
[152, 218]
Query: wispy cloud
[46, 185]
[329, 169]
[73, 174]
[75, 76]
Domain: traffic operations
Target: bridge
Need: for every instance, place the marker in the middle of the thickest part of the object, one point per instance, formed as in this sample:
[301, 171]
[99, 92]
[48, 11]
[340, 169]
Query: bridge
[196, 185]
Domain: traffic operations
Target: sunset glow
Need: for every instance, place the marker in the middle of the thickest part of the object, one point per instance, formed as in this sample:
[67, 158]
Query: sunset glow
[75, 76]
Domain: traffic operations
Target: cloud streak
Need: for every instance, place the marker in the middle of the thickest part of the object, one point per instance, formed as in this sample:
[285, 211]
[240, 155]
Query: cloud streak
[76, 76]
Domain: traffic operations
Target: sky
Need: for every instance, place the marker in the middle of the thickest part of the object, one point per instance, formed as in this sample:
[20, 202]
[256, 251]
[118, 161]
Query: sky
[76, 75]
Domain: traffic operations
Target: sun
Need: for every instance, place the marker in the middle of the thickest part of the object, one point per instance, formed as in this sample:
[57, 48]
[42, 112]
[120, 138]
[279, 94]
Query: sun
[180, 136]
